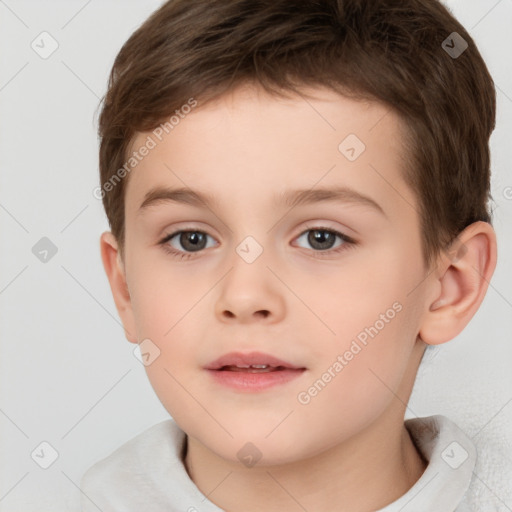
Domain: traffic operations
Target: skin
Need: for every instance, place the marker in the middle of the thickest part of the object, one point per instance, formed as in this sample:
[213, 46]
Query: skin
[348, 445]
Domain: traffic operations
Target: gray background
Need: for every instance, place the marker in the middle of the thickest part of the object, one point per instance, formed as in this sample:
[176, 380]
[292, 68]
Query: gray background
[67, 375]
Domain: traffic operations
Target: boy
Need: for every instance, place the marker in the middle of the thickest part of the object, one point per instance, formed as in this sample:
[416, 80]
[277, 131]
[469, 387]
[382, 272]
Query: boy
[297, 195]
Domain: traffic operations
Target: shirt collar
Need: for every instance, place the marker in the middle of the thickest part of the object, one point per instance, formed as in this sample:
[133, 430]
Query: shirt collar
[452, 458]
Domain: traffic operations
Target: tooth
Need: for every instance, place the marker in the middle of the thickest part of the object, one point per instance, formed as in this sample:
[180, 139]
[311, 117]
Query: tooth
[262, 366]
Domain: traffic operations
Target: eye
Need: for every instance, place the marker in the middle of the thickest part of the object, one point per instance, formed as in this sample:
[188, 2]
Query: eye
[190, 240]
[323, 239]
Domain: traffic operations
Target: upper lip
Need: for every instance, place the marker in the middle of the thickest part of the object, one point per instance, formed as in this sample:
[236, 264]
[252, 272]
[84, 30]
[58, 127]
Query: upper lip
[248, 359]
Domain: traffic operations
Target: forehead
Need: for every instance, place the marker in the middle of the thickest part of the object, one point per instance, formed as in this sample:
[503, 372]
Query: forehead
[252, 147]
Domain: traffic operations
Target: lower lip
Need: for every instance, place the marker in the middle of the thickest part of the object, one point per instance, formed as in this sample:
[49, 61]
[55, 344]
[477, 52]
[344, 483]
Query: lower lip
[253, 382]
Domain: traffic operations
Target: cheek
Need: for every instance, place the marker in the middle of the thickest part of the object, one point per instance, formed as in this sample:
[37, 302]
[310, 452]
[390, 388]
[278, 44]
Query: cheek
[164, 298]
[360, 301]
[372, 326]
[167, 310]
[350, 392]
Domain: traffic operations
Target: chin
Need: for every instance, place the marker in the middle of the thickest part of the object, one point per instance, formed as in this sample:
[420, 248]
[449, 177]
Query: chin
[256, 450]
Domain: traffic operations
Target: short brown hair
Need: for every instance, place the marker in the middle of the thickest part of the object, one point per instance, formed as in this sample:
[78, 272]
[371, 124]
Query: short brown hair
[389, 51]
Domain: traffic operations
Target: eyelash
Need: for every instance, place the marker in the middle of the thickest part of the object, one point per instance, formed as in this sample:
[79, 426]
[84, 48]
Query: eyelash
[182, 255]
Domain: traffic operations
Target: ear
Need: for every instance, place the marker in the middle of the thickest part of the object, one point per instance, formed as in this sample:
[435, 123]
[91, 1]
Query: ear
[459, 283]
[114, 268]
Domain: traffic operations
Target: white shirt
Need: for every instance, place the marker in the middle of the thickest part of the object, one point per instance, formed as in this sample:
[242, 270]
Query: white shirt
[147, 474]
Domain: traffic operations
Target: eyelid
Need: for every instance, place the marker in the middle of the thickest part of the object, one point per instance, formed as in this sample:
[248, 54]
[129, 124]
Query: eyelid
[324, 224]
[184, 226]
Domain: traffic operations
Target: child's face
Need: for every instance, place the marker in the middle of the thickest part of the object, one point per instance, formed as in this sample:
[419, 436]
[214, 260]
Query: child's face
[301, 300]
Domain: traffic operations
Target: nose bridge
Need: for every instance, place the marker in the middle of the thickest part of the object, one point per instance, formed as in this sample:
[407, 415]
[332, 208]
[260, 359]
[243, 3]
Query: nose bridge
[248, 263]
[249, 287]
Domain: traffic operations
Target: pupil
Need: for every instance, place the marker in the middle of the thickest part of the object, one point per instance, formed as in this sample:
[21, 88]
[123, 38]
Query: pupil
[192, 240]
[322, 237]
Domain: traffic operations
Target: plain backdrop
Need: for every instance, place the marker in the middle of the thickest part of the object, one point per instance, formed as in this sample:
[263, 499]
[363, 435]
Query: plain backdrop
[68, 377]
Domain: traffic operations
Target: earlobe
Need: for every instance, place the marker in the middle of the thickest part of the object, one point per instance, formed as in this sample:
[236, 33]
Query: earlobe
[460, 283]
[114, 268]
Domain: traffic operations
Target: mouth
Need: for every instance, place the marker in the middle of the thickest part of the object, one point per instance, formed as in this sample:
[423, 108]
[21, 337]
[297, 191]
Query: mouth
[254, 368]
[252, 372]
[258, 361]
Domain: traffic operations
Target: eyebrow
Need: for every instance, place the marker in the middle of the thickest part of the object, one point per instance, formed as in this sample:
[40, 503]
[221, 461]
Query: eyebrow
[291, 198]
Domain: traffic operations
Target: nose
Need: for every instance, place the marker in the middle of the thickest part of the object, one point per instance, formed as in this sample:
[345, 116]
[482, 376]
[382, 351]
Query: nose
[250, 292]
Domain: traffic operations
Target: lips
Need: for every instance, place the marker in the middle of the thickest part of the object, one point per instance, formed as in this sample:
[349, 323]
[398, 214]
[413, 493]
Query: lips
[253, 362]
[254, 372]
